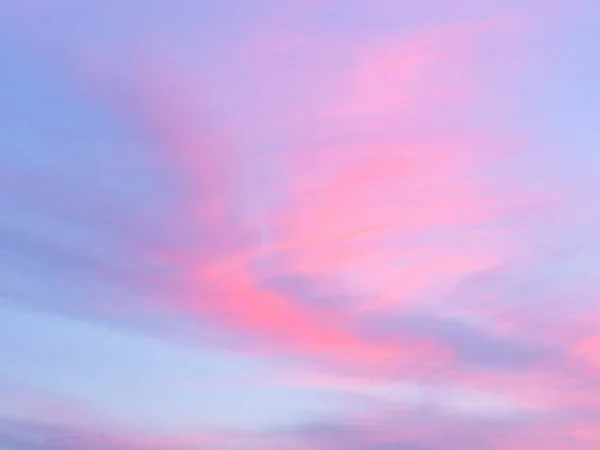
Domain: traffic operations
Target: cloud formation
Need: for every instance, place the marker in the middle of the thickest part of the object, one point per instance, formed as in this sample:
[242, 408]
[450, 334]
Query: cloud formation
[353, 206]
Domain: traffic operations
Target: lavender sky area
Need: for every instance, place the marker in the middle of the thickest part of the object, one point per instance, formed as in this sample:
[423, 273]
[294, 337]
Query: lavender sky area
[299, 225]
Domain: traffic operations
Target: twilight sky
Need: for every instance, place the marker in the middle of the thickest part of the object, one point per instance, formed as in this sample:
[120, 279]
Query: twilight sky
[299, 225]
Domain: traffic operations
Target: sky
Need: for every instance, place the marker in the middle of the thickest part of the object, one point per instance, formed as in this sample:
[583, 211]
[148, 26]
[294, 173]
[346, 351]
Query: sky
[299, 225]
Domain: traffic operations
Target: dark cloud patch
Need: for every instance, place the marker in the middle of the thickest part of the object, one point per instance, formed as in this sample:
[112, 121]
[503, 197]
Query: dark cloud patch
[313, 292]
[20, 434]
[471, 344]
[338, 436]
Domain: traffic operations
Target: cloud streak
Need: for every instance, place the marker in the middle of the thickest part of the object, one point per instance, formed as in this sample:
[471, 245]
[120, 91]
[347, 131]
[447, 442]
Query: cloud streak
[352, 194]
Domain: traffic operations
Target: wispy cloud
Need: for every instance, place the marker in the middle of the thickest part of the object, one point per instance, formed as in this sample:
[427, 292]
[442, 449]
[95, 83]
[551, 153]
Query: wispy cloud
[353, 204]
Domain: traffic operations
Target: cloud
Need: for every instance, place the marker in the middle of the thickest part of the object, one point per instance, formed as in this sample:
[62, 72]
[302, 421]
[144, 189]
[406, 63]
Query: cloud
[427, 428]
[470, 344]
[341, 199]
[35, 435]
[385, 184]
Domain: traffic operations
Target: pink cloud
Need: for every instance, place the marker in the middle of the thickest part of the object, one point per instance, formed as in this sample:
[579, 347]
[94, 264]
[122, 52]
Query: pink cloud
[392, 199]
[383, 195]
